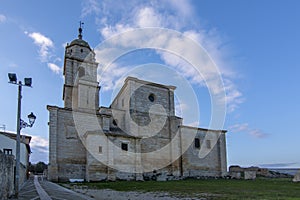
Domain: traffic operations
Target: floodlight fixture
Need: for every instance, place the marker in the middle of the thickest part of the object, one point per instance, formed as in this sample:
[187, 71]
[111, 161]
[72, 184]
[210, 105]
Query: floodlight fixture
[28, 81]
[12, 77]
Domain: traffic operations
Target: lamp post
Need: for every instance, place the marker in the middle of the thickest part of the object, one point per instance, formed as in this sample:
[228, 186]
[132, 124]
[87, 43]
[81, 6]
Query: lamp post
[20, 124]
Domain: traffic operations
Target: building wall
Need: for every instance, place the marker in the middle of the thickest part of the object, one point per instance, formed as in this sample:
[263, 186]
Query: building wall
[111, 163]
[67, 154]
[133, 99]
[120, 108]
[9, 143]
[7, 165]
[209, 159]
[153, 120]
[139, 97]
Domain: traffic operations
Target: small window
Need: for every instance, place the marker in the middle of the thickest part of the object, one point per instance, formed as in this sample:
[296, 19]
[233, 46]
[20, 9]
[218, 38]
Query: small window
[197, 143]
[124, 146]
[151, 97]
[208, 144]
[115, 122]
[7, 151]
[100, 149]
[81, 50]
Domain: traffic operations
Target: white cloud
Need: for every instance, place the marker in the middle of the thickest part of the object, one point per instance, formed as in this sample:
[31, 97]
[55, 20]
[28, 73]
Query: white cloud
[2, 18]
[109, 31]
[46, 54]
[180, 107]
[43, 42]
[239, 128]
[233, 96]
[39, 148]
[56, 69]
[258, 133]
[147, 17]
[117, 17]
[109, 78]
[211, 42]
[183, 67]
[170, 13]
[90, 7]
[39, 144]
[183, 7]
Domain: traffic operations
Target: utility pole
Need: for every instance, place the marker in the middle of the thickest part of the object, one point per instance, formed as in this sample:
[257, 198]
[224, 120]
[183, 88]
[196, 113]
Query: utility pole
[20, 124]
[18, 140]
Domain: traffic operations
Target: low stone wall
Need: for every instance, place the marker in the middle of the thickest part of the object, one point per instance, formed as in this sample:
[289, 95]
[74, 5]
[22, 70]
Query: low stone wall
[250, 173]
[7, 165]
[297, 177]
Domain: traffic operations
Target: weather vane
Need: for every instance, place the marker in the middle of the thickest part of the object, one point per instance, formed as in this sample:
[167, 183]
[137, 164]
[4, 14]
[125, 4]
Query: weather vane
[80, 30]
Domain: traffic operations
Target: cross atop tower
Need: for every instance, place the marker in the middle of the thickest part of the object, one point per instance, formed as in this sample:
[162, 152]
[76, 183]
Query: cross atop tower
[80, 30]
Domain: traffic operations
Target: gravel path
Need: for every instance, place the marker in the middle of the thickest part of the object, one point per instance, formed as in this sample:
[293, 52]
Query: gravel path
[109, 194]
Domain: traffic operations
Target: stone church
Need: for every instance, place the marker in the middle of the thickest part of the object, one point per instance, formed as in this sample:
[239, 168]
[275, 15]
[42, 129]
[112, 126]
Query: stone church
[138, 137]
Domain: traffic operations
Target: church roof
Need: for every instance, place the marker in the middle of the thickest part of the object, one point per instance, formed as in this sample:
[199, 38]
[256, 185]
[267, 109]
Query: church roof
[80, 42]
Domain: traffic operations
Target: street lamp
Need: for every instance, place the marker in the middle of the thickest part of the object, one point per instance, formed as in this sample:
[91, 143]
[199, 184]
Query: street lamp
[20, 123]
[31, 118]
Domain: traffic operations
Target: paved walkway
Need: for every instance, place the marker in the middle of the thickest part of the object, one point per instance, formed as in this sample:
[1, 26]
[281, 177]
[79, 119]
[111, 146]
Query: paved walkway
[40, 189]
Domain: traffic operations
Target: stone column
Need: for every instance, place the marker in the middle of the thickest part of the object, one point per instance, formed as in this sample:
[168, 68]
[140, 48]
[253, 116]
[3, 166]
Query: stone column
[223, 154]
[53, 126]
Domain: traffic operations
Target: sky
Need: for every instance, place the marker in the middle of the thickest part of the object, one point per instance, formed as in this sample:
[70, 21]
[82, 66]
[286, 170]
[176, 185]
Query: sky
[255, 46]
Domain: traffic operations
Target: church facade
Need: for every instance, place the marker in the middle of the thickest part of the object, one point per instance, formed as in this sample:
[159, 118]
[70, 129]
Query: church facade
[138, 137]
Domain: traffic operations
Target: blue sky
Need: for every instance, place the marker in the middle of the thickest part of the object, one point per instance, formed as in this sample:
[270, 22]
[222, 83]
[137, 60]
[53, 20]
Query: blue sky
[255, 45]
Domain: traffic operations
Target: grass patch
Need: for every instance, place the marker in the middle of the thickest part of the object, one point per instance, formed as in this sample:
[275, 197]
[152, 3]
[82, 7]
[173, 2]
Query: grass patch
[211, 189]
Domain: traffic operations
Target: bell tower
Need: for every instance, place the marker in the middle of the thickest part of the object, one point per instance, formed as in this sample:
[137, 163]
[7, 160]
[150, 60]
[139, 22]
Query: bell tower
[81, 89]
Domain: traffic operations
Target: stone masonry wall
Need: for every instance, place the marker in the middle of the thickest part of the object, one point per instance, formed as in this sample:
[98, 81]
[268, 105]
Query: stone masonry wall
[71, 153]
[7, 165]
[67, 157]
[196, 162]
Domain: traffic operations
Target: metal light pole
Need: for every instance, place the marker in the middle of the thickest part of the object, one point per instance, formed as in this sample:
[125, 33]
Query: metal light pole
[18, 140]
[20, 124]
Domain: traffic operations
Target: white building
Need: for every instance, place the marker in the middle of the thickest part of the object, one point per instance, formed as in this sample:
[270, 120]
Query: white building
[8, 146]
